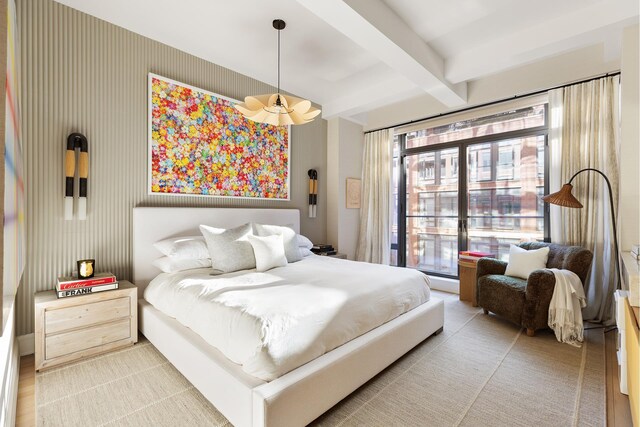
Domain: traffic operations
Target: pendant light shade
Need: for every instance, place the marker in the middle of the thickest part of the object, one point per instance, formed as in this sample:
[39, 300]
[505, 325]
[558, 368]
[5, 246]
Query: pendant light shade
[277, 109]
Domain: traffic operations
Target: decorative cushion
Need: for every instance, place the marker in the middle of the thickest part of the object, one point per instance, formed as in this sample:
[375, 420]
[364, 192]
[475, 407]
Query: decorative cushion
[305, 252]
[290, 241]
[229, 248]
[183, 247]
[269, 251]
[304, 242]
[173, 265]
[522, 262]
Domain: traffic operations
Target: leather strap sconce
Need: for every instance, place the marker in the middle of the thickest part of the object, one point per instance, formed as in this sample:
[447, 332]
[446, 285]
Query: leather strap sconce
[313, 192]
[76, 140]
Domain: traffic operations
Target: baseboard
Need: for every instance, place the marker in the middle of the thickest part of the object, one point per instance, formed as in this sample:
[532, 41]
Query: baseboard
[26, 344]
[445, 284]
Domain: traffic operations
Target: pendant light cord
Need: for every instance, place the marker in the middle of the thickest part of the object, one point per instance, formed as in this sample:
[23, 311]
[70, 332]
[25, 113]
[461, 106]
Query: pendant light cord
[279, 62]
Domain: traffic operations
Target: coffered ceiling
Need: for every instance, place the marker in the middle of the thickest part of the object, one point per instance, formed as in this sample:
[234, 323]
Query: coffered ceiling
[352, 56]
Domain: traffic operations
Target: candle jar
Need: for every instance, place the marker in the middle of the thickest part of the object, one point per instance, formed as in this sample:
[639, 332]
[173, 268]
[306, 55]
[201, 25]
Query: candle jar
[86, 268]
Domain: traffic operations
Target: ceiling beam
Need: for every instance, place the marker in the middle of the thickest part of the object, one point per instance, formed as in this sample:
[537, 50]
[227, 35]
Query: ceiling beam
[362, 98]
[376, 28]
[574, 30]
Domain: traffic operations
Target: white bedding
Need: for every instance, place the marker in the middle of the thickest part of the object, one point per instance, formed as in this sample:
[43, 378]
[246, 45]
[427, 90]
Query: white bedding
[273, 322]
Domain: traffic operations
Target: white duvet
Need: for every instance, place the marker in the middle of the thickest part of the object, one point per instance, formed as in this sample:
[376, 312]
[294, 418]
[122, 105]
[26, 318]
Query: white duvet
[276, 321]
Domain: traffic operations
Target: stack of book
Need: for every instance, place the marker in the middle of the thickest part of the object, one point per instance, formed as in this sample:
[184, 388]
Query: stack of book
[71, 287]
[472, 256]
[323, 249]
[635, 251]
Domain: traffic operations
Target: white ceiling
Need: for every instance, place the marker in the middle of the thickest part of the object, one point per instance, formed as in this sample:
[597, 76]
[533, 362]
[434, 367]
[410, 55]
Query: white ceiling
[352, 56]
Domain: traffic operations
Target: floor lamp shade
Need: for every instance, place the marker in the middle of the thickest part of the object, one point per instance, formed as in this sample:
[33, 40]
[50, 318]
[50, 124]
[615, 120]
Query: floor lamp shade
[565, 198]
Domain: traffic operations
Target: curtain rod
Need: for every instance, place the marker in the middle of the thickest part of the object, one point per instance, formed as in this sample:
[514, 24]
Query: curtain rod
[486, 104]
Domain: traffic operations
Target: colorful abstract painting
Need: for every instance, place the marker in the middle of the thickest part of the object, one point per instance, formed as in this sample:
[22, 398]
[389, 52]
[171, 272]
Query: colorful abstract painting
[199, 144]
[14, 255]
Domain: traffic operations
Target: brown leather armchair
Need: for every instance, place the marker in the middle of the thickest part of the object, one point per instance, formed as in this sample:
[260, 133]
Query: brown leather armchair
[526, 302]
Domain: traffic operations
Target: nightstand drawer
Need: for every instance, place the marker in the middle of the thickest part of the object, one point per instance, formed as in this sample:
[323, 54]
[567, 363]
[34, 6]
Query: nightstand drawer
[63, 319]
[71, 342]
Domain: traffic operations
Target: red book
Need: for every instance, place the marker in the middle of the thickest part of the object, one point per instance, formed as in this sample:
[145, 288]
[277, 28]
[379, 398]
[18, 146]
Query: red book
[73, 283]
[477, 254]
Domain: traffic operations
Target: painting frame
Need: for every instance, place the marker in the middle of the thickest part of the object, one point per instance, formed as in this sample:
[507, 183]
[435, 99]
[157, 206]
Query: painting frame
[150, 145]
[353, 193]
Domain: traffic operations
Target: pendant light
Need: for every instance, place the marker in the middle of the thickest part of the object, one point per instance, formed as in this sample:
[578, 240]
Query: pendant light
[278, 109]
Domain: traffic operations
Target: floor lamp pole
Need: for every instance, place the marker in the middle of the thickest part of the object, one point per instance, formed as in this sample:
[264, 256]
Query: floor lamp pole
[613, 218]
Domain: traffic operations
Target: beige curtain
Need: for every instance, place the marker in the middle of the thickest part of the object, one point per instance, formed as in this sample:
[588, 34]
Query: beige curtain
[585, 134]
[374, 235]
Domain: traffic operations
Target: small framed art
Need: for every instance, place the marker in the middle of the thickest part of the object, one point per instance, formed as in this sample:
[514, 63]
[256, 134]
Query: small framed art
[354, 189]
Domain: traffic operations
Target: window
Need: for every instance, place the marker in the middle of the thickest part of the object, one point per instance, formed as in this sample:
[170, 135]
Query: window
[448, 209]
[427, 250]
[480, 163]
[427, 169]
[487, 201]
[480, 209]
[508, 121]
[448, 166]
[508, 160]
[540, 159]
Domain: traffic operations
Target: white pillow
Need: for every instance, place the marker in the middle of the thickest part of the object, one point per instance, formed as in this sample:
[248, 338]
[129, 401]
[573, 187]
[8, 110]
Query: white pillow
[183, 247]
[173, 265]
[304, 242]
[522, 262]
[269, 251]
[305, 252]
[289, 239]
[229, 249]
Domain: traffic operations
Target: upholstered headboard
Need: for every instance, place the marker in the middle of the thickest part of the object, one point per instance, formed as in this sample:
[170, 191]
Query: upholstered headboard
[153, 224]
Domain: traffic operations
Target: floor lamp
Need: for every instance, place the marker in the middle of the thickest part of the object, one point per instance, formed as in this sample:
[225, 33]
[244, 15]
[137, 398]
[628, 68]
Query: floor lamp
[565, 198]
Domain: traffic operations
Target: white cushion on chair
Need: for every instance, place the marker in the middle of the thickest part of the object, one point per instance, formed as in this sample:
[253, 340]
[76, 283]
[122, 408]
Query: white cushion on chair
[523, 262]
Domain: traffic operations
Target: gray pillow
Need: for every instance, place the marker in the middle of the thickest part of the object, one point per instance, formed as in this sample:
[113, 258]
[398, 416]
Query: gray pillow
[289, 238]
[304, 242]
[229, 249]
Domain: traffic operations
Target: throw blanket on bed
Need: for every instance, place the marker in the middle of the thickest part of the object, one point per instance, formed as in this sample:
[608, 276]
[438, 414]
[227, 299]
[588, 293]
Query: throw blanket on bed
[274, 321]
[565, 309]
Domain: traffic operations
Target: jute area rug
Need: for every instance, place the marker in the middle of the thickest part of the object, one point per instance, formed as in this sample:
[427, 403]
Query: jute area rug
[481, 371]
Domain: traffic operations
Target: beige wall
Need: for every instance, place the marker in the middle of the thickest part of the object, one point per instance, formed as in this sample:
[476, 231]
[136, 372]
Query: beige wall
[344, 160]
[629, 210]
[541, 75]
[82, 74]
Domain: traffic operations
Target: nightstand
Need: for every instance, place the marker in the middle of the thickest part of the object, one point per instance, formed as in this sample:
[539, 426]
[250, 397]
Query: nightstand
[467, 274]
[338, 255]
[69, 329]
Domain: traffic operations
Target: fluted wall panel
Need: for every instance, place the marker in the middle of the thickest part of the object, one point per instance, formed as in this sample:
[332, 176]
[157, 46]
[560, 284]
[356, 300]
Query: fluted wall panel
[81, 74]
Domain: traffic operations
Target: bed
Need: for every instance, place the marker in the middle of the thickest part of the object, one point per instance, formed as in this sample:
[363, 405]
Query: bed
[300, 395]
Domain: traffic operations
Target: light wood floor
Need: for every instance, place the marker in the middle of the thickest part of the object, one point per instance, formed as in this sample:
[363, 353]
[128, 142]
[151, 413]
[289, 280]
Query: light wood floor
[26, 411]
[618, 412]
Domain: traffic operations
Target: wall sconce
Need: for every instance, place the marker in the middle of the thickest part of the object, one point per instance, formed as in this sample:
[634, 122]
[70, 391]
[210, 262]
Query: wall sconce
[313, 192]
[76, 140]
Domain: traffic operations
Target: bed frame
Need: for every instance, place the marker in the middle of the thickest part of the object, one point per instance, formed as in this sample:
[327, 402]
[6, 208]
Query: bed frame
[296, 398]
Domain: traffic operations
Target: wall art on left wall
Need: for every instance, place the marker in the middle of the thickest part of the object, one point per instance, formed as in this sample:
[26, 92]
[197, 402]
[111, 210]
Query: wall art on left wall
[200, 145]
[14, 256]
